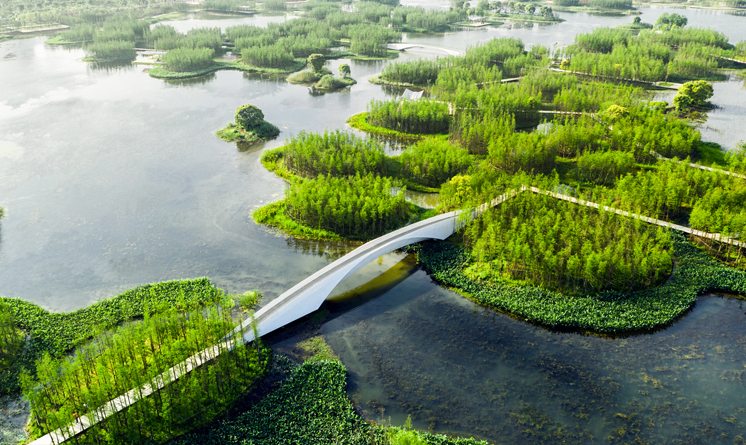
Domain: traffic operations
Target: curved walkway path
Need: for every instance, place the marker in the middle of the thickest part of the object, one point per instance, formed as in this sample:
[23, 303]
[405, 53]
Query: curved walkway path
[406, 46]
[308, 295]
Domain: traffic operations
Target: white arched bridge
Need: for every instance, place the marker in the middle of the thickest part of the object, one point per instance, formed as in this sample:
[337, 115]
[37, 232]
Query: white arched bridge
[308, 295]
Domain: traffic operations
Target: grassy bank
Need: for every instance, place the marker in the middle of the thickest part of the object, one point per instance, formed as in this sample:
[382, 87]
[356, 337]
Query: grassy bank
[378, 80]
[274, 215]
[609, 312]
[163, 73]
[360, 122]
[58, 333]
[231, 133]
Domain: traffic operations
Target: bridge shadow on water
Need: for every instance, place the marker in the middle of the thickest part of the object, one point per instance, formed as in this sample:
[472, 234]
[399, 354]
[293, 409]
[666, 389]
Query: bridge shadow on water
[343, 302]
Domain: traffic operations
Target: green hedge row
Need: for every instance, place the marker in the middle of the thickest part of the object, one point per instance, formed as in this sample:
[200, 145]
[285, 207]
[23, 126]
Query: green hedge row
[610, 312]
[58, 333]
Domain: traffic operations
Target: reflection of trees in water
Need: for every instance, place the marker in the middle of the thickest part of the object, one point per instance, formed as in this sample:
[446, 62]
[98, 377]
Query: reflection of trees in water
[329, 250]
[201, 80]
[112, 66]
[244, 147]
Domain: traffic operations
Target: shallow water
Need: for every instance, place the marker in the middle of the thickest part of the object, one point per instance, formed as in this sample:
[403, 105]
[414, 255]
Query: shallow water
[456, 367]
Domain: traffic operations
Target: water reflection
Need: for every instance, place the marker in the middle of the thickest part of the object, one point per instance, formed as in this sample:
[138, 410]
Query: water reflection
[191, 81]
[112, 66]
[455, 367]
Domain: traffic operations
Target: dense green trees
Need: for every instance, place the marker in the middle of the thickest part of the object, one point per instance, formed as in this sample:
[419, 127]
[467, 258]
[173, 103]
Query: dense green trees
[566, 246]
[11, 338]
[358, 207]
[693, 95]
[604, 167]
[137, 354]
[250, 120]
[651, 56]
[410, 116]
[188, 59]
[432, 162]
[668, 20]
[417, 72]
[333, 153]
[344, 70]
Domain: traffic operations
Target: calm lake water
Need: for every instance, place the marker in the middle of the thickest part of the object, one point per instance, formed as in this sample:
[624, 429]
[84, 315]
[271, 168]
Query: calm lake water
[112, 179]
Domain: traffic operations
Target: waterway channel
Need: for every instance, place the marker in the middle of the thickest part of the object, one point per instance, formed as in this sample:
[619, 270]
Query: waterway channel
[112, 179]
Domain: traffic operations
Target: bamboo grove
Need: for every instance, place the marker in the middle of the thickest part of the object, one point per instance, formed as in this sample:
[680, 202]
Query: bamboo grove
[565, 246]
[678, 54]
[138, 354]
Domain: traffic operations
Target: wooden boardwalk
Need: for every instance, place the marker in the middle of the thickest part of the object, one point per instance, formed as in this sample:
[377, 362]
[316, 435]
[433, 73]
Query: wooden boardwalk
[672, 86]
[701, 167]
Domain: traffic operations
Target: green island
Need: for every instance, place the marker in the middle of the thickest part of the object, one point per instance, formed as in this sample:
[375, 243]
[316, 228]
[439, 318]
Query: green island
[249, 127]
[586, 160]
[322, 78]
[113, 35]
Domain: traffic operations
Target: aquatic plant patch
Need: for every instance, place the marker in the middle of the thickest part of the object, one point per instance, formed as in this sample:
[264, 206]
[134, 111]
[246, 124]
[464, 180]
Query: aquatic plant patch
[310, 407]
[609, 312]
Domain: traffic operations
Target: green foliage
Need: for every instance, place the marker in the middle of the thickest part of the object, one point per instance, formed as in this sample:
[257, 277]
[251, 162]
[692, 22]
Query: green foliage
[310, 406]
[58, 333]
[415, 72]
[112, 50]
[612, 312]
[693, 95]
[333, 153]
[410, 116]
[602, 40]
[275, 215]
[136, 354]
[249, 299]
[316, 62]
[249, 116]
[188, 59]
[11, 339]
[611, 4]
[304, 77]
[370, 40]
[344, 70]
[669, 20]
[664, 192]
[360, 207]
[274, 5]
[329, 82]
[432, 162]
[615, 112]
[274, 56]
[604, 167]
[736, 159]
[527, 152]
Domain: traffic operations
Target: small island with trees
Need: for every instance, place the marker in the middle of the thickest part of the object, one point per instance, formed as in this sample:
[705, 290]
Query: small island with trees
[249, 127]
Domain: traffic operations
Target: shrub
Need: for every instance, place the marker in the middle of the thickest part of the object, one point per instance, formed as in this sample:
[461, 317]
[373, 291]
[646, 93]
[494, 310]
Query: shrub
[188, 59]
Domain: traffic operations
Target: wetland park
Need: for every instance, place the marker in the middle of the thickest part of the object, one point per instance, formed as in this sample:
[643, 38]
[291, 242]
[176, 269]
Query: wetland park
[170, 169]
